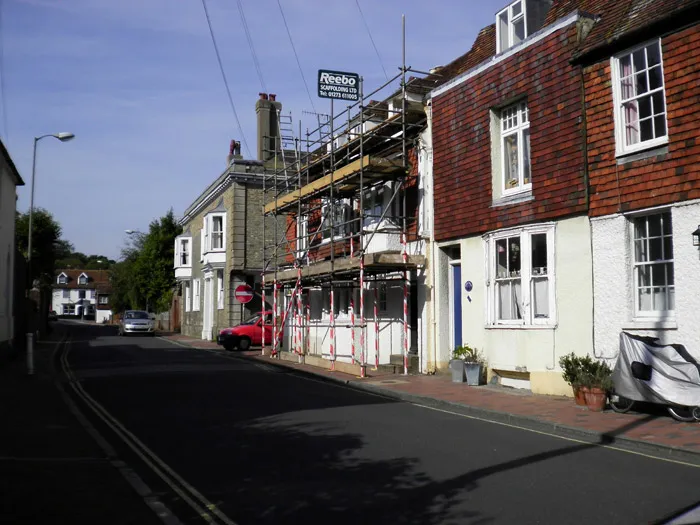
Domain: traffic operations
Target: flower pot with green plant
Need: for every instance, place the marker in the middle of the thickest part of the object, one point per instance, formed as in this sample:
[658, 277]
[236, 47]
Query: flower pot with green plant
[470, 361]
[574, 371]
[598, 379]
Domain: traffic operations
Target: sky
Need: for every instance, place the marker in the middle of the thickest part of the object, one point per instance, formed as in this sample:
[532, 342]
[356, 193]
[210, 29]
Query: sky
[138, 83]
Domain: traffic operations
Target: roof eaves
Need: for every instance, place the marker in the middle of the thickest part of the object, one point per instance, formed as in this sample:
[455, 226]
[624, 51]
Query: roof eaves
[13, 169]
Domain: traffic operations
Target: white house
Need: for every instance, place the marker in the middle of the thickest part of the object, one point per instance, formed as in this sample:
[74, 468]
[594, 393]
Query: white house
[82, 293]
[9, 180]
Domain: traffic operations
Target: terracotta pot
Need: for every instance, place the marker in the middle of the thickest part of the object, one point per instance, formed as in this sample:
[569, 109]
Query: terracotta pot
[579, 395]
[596, 399]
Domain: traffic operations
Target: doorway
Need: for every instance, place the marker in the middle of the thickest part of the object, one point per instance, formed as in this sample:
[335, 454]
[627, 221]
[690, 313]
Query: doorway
[455, 303]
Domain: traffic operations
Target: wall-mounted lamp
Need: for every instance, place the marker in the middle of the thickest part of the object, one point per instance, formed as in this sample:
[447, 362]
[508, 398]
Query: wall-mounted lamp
[696, 237]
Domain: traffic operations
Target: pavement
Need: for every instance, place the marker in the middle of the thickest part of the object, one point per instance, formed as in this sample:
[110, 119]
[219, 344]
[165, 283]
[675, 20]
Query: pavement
[52, 470]
[649, 429]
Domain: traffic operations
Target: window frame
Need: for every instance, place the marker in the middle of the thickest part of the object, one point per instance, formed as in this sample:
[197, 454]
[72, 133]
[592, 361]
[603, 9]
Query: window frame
[66, 293]
[184, 253]
[519, 131]
[220, 289]
[196, 295]
[511, 21]
[83, 279]
[211, 233]
[188, 296]
[62, 279]
[621, 147]
[650, 315]
[103, 299]
[528, 321]
[344, 228]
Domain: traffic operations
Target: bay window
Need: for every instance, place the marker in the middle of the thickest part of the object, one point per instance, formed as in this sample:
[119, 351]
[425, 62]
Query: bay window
[521, 266]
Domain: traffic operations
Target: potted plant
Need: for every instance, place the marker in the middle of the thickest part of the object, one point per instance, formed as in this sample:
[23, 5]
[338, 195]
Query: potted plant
[598, 379]
[576, 371]
[467, 364]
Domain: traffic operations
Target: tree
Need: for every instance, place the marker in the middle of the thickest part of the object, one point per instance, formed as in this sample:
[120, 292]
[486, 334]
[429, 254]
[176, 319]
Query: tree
[144, 277]
[47, 245]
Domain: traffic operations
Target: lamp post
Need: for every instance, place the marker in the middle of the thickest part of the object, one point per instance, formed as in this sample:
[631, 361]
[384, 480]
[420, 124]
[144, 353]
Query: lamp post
[63, 137]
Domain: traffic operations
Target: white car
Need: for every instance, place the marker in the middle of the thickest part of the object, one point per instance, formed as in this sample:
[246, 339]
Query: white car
[136, 322]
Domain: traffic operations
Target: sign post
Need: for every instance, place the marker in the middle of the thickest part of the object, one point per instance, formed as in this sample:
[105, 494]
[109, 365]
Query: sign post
[243, 293]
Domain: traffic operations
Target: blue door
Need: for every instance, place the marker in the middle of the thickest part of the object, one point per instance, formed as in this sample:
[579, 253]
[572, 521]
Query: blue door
[456, 304]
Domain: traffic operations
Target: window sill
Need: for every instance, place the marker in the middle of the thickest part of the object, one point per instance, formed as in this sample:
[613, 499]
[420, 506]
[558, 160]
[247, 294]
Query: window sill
[641, 323]
[513, 198]
[520, 326]
[653, 150]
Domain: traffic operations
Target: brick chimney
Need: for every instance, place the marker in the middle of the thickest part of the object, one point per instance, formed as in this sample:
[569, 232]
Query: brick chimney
[234, 152]
[267, 109]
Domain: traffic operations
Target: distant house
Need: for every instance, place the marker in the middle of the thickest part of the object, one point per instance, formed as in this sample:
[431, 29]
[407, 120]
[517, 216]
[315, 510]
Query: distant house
[82, 293]
[9, 180]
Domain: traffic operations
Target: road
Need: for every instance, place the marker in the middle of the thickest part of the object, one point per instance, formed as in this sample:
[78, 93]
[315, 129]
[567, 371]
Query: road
[247, 443]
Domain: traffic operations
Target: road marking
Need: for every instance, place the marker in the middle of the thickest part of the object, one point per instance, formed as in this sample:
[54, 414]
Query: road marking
[167, 474]
[574, 440]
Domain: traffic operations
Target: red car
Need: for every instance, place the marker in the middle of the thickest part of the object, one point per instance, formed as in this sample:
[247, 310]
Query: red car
[248, 333]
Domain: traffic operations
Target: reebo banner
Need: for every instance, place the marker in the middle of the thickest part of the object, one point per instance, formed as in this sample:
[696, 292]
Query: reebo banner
[338, 84]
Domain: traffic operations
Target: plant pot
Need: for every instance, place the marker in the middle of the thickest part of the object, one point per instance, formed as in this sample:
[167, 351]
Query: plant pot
[473, 371]
[596, 399]
[457, 366]
[579, 395]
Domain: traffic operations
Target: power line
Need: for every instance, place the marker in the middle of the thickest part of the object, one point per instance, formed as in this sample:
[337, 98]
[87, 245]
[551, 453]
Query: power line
[370, 38]
[250, 44]
[223, 74]
[3, 96]
[284, 19]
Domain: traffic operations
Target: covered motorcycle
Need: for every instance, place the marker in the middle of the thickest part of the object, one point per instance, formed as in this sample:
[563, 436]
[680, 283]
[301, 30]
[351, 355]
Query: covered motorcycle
[649, 371]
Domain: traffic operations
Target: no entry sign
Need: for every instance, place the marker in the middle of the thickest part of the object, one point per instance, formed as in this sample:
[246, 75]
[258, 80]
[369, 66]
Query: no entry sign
[243, 293]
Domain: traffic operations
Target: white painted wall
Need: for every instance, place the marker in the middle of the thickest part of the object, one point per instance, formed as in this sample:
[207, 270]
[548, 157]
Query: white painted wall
[58, 300]
[613, 286]
[7, 254]
[524, 348]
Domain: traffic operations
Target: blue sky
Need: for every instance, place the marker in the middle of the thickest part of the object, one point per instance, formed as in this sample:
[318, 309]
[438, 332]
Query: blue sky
[138, 83]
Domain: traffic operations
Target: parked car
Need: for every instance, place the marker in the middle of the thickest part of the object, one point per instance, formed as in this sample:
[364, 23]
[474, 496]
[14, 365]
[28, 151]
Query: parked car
[248, 333]
[53, 316]
[136, 322]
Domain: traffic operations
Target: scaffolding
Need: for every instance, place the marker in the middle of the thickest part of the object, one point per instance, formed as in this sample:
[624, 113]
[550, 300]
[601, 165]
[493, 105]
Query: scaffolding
[316, 189]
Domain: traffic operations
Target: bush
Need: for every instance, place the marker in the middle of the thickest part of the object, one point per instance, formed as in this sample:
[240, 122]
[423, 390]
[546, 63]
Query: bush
[584, 371]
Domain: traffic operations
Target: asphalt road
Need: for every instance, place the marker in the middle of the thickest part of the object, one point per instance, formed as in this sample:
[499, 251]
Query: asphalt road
[261, 445]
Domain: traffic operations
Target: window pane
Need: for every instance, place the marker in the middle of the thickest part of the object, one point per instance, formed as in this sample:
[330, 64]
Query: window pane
[631, 115]
[626, 66]
[655, 80]
[519, 31]
[639, 59]
[644, 277]
[654, 225]
[668, 248]
[670, 277]
[640, 251]
[514, 256]
[655, 247]
[627, 88]
[516, 9]
[510, 151]
[659, 107]
[640, 83]
[660, 126]
[509, 296]
[644, 298]
[502, 258]
[645, 107]
[653, 54]
[659, 299]
[671, 299]
[526, 156]
[503, 30]
[540, 297]
[658, 275]
[646, 130]
[539, 254]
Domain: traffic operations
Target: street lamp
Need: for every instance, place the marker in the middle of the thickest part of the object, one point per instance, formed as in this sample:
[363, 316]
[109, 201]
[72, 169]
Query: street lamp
[63, 137]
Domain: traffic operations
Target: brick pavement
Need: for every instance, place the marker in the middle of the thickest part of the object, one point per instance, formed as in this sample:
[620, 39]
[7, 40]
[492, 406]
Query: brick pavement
[651, 428]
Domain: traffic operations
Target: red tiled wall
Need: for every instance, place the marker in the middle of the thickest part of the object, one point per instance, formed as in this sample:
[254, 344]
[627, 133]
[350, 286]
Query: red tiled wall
[658, 180]
[462, 141]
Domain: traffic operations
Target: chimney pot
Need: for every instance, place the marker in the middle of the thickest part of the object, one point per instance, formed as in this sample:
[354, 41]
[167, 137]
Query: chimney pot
[232, 147]
[263, 96]
[272, 97]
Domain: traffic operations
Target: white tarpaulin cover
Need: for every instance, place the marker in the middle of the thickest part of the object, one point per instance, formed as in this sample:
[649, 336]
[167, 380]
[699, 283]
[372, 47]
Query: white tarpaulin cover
[675, 375]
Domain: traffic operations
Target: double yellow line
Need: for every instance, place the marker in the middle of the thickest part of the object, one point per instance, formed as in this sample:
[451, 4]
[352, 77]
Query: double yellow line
[201, 505]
